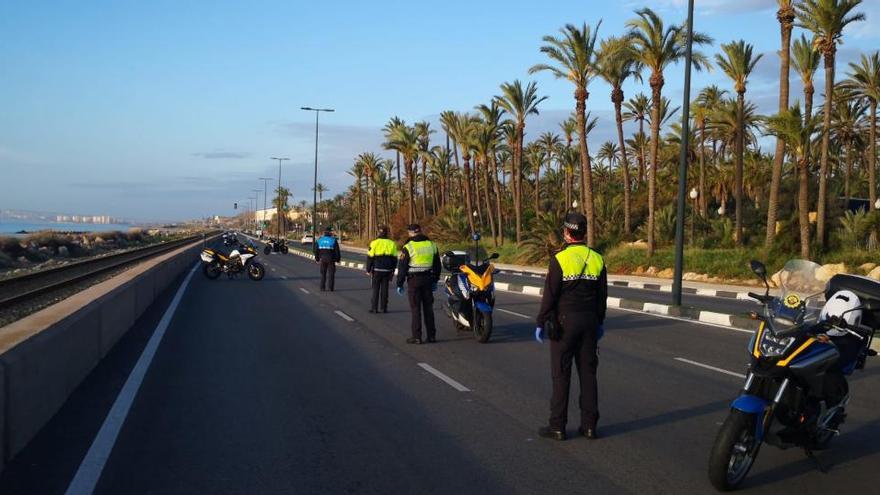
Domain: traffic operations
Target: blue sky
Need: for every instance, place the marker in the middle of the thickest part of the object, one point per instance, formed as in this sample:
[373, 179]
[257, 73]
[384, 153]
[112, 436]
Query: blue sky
[171, 110]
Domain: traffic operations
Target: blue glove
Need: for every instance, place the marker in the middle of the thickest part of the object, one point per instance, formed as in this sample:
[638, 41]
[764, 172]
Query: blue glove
[539, 334]
[400, 291]
[600, 332]
[434, 287]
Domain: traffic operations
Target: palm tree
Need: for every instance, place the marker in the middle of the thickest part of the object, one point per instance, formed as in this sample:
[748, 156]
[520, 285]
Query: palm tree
[657, 46]
[519, 102]
[738, 62]
[371, 164]
[405, 140]
[393, 124]
[797, 130]
[637, 109]
[574, 58]
[492, 115]
[617, 63]
[357, 171]
[785, 15]
[864, 80]
[423, 130]
[549, 142]
[848, 129]
[463, 129]
[826, 19]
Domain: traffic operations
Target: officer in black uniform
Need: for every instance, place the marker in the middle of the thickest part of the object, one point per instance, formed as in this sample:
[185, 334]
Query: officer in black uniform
[419, 267]
[381, 260]
[327, 255]
[574, 303]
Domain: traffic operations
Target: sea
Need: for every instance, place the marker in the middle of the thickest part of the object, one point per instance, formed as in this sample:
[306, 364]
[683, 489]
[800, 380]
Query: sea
[15, 227]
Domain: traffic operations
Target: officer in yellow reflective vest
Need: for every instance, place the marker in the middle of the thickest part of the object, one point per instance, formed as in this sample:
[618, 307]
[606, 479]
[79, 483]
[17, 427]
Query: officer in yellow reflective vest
[381, 260]
[573, 311]
[419, 267]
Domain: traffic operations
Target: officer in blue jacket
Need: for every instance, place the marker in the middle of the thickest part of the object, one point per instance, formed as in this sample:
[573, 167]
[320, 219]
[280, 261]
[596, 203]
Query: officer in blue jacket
[327, 255]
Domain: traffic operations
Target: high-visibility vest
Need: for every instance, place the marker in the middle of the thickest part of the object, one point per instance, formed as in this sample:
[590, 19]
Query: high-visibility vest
[382, 247]
[579, 262]
[421, 255]
[326, 242]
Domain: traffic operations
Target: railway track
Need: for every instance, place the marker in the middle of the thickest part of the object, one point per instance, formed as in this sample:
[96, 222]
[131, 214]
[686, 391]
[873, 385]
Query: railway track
[18, 290]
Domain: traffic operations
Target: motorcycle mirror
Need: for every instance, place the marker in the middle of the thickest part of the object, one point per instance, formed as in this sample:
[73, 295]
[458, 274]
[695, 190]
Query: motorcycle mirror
[494, 256]
[871, 305]
[758, 268]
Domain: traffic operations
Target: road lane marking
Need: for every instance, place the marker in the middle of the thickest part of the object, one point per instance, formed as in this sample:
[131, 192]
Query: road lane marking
[284, 277]
[89, 472]
[449, 381]
[343, 315]
[514, 313]
[305, 291]
[686, 320]
[706, 366]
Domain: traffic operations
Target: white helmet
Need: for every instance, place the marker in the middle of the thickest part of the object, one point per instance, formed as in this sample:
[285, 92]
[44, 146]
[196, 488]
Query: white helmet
[841, 302]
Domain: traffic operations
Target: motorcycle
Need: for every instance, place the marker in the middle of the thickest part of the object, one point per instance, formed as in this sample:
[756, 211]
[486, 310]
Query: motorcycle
[470, 291]
[276, 246]
[230, 240]
[236, 262]
[796, 390]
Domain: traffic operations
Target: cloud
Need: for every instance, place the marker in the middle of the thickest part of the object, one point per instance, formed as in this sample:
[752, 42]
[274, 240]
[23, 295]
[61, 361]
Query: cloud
[224, 155]
[715, 7]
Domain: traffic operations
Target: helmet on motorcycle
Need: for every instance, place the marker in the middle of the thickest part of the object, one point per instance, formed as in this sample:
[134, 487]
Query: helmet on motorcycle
[843, 304]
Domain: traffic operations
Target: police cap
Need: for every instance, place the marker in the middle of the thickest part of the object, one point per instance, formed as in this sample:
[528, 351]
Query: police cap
[575, 222]
[414, 228]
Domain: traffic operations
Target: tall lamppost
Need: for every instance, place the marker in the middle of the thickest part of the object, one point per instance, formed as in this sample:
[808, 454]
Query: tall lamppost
[315, 184]
[254, 210]
[263, 225]
[257, 205]
[694, 194]
[278, 209]
[683, 158]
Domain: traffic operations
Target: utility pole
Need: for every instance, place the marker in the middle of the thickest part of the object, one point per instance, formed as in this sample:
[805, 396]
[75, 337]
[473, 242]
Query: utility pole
[265, 192]
[278, 209]
[683, 160]
[315, 183]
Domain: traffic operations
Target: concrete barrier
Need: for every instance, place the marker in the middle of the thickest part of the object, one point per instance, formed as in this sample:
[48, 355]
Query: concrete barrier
[46, 355]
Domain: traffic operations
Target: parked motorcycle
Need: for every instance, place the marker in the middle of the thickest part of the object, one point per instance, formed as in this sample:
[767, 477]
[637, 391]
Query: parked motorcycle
[236, 262]
[276, 246]
[470, 291]
[796, 391]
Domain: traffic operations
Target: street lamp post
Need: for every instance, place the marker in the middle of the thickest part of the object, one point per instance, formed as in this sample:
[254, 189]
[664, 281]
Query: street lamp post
[693, 195]
[263, 225]
[257, 205]
[278, 209]
[315, 185]
[683, 158]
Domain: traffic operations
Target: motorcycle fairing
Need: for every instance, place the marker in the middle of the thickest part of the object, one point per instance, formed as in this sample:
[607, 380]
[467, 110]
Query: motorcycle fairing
[483, 306]
[752, 404]
[481, 281]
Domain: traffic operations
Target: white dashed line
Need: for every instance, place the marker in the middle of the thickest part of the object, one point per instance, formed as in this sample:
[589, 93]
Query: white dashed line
[343, 315]
[449, 381]
[514, 313]
[283, 277]
[305, 291]
[706, 366]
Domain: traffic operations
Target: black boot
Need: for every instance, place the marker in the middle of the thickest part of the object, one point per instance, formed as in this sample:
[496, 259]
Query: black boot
[551, 433]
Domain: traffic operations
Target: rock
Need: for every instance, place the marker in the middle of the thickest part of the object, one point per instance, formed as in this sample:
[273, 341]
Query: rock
[652, 270]
[640, 270]
[825, 272]
[63, 251]
[875, 273]
[667, 273]
[867, 267]
[691, 276]
[775, 280]
[639, 244]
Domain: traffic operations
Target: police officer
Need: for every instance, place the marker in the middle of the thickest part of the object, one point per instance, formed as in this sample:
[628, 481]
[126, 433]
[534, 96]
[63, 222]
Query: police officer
[381, 259]
[574, 302]
[327, 255]
[419, 267]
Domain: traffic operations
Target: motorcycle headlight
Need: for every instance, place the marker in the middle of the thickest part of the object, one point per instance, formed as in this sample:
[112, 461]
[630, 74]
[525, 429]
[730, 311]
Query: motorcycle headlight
[773, 346]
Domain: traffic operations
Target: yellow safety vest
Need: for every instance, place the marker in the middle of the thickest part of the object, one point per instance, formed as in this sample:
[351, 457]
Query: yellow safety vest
[572, 260]
[382, 247]
[421, 255]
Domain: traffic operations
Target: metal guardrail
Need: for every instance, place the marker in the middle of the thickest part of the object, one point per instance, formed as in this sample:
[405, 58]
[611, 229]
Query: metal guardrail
[15, 290]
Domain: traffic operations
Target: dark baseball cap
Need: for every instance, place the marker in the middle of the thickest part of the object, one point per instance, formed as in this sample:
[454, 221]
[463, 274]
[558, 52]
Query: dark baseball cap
[575, 222]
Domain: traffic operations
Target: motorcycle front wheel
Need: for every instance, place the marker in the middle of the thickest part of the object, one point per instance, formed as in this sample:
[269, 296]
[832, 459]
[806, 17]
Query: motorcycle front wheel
[284, 249]
[482, 326]
[211, 270]
[267, 249]
[734, 451]
[256, 271]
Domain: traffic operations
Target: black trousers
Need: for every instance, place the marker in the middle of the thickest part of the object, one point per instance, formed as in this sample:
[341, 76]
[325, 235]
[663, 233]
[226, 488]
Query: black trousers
[380, 290]
[421, 303]
[578, 344]
[328, 270]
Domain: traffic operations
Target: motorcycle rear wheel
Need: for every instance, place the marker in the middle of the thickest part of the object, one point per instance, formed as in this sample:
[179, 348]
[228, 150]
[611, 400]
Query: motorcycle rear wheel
[212, 270]
[267, 249]
[482, 326]
[734, 451]
[256, 271]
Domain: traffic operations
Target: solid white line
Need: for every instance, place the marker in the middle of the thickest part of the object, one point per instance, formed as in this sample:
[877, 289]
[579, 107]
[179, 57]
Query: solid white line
[306, 291]
[449, 381]
[706, 366]
[686, 320]
[89, 472]
[514, 313]
[343, 315]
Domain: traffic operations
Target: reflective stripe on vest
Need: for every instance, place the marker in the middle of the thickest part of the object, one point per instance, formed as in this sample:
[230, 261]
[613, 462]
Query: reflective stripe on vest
[572, 260]
[421, 255]
[326, 242]
[382, 247]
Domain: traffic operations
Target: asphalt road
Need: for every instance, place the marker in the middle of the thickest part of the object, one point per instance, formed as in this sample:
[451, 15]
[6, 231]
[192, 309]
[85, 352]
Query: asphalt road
[268, 387]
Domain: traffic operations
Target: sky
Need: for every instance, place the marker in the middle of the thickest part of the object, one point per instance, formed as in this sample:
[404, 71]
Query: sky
[171, 110]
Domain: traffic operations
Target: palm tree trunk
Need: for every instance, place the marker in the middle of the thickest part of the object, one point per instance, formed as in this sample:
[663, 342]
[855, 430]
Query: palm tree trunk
[410, 186]
[656, 88]
[498, 192]
[847, 173]
[581, 96]
[786, 23]
[826, 143]
[738, 171]
[488, 197]
[537, 188]
[517, 179]
[804, 205]
[424, 188]
[467, 190]
[617, 98]
[642, 158]
[399, 183]
[872, 156]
